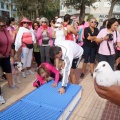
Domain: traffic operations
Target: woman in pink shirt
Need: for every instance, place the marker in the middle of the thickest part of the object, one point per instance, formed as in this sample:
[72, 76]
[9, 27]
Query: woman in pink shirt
[45, 71]
[107, 37]
[5, 48]
[24, 42]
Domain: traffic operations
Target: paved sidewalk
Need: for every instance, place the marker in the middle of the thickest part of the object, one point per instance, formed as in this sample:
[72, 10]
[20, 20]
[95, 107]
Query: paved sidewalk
[90, 107]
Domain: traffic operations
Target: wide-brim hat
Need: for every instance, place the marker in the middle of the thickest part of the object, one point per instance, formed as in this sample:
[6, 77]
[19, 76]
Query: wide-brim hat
[25, 20]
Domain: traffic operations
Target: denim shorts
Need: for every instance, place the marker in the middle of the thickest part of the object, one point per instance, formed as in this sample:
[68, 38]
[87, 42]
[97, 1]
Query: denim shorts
[89, 54]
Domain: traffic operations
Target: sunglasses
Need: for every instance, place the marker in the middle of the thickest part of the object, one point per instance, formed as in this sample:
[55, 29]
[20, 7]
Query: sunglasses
[25, 23]
[2, 25]
[93, 21]
[43, 21]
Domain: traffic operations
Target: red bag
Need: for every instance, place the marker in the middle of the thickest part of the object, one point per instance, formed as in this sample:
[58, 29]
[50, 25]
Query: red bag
[44, 27]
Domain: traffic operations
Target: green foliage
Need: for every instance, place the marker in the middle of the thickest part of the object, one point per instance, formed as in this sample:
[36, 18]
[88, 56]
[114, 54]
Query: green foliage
[35, 8]
[89, 16]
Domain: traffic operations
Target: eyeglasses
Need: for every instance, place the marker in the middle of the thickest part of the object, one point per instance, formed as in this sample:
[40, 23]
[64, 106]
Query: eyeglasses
[25, 23]
[2, 25]
[43, 21]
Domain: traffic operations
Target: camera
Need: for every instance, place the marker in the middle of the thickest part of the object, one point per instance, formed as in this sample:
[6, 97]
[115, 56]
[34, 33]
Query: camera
[110, 37]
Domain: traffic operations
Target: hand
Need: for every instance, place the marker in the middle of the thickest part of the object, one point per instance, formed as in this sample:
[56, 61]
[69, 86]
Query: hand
[61, 90]
[106, 37]
[1, 56]
[111, 93]
[89, 37]
[54, 85]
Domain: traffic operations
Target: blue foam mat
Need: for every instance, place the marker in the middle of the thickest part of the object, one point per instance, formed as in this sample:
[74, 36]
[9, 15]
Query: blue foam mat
[44, 103]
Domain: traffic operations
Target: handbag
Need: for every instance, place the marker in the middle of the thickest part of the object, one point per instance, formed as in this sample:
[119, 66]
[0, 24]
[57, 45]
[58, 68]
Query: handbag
[45, 42]
[30, 46]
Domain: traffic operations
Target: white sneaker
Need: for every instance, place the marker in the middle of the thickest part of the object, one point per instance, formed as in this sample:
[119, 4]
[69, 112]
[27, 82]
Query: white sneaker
[30, 72]
[2, 101]
[23, 74]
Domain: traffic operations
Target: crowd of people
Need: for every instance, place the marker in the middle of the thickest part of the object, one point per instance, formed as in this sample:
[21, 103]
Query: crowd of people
[57, 45]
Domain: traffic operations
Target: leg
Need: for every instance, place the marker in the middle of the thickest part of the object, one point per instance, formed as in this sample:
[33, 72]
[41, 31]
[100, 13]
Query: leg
[111, 61]
[37, 58]
[13, 78]
[72, 76]
[92, 59]
[29, 59]
[6, 67]
[86, 56]
[42, 53]
[24, 57]
[47, 54]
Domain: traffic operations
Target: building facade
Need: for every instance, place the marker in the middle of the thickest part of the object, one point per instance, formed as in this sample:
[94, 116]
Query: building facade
[8, 9]
[99, 10]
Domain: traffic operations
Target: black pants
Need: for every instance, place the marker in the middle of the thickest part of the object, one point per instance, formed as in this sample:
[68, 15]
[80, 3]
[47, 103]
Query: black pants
[108, 58]
[37, 58]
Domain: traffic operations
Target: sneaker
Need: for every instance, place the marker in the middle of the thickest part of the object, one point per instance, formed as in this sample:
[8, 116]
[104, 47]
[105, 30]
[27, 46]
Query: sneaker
[23, 74]
[82, 75]
[30, 72]
[2, 101]
[14, 87]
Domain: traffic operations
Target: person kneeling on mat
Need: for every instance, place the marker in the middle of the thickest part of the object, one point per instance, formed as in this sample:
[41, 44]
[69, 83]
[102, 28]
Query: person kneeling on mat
[45, 73]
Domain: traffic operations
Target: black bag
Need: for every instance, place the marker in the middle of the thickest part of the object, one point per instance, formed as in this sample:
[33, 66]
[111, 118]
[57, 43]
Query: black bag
[30, 46]
[45, 42]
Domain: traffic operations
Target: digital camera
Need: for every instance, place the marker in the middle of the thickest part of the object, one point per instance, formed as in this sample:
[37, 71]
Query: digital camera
[110, 37]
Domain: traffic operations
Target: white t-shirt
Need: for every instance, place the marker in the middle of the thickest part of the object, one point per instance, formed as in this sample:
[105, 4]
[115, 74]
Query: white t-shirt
[59, 35]
[70, 51]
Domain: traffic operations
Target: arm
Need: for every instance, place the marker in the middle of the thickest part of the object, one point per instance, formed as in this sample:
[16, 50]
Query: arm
[66, 72]
[71, 29]
[111, 93]
[55, 71]
[39, 33]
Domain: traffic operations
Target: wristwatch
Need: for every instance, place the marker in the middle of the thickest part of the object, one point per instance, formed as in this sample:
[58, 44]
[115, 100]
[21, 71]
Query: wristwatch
[64, 87]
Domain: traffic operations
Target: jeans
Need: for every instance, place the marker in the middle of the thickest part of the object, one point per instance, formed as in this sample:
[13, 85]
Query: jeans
[44, 52]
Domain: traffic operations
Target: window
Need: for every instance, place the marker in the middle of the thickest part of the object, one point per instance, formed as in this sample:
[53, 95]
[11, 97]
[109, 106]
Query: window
[7, 6]
[2, 5]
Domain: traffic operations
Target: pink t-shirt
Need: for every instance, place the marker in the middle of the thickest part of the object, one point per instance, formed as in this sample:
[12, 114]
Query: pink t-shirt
[5, 42]
[103, 49]
[26, 38]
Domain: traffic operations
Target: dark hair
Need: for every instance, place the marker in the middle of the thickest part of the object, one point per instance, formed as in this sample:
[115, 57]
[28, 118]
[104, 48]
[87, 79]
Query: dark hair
[54, 50]
[53, 21]
[66, 17]
[9, 20]
[3, 19]
[82, 23]
[119, 21]
[110, 22]
[104, 23]
[34, 23]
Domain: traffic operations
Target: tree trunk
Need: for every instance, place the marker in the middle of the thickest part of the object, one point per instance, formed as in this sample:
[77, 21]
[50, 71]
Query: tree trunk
[111, 9]
[82, 12]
